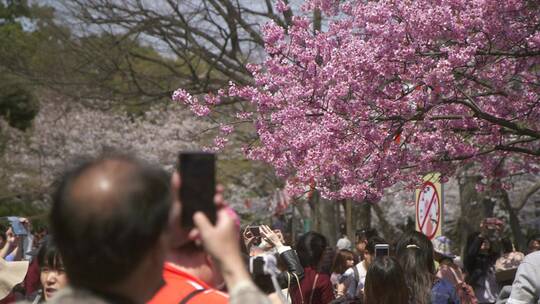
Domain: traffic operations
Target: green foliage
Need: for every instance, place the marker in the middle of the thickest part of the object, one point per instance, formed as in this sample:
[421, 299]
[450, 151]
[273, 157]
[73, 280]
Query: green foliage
[10, 10]
[18, 105]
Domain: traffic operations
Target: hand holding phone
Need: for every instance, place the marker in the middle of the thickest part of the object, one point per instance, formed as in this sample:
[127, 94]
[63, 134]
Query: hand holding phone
[17, 226]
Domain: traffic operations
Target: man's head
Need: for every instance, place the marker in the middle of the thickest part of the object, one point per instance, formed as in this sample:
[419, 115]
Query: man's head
[369, 252]
[197, 262]
[109, 218]
[362, 237]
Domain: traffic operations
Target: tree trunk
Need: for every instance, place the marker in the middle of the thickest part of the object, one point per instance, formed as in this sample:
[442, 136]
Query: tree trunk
[349, 219]
[389, 233]
[324, 220]
[362, 212]
[317, 20]
[519, 237]
[472, 209]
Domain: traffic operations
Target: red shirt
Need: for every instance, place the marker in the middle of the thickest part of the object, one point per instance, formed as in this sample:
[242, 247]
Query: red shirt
[179, 284]
[323, 292]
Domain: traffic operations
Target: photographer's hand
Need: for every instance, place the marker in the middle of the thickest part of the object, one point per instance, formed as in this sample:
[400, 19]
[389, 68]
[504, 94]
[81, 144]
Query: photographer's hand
[270, 236]
[221, 242]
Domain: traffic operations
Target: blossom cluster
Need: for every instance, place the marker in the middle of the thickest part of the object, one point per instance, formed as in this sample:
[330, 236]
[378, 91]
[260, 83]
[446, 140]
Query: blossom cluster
[393, 89]
[65, 130]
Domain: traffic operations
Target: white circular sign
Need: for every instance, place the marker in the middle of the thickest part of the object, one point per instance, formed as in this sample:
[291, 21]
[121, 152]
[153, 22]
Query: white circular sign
[428, 206]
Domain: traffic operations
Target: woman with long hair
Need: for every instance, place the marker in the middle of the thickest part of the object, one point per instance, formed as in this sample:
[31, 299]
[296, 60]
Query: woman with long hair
[316, 287]
[343, 260]
[415, 255]
[479, 262]
[385, 283]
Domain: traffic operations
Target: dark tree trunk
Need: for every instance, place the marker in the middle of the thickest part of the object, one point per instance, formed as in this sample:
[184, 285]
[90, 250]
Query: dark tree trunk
[519, 237]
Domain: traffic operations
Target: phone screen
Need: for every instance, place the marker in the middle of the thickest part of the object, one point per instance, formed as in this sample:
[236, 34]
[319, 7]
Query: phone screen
[198, 186]
[17, 226]
[382, 250]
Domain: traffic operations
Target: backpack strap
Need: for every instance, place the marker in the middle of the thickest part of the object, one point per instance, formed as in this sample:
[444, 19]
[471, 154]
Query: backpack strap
[356, 274]
[299, 288]
[313, 288]
[191, 295]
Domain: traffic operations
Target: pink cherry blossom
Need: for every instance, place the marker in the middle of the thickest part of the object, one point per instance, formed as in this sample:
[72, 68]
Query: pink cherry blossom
[391, 90]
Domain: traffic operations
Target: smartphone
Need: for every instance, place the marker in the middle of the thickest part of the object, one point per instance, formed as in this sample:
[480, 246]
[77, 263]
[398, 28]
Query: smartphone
[198, 186]
[255, 231]
[16, 225]
[382, 250]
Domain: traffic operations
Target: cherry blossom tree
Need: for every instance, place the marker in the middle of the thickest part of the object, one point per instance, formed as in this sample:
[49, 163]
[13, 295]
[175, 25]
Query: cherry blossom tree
[65, 130]
[390, 90]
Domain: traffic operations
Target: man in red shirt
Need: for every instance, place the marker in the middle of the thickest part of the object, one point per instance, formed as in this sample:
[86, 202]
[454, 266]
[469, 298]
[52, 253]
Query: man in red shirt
[191, 277]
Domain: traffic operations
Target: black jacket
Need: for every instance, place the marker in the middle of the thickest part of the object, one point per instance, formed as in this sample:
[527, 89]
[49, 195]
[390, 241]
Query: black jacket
[291, 261]
[290, 258]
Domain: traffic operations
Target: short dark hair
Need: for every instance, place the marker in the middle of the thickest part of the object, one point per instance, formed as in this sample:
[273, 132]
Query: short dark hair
[534, 237]
[385, 274]
[365, 234]
[3, 229]
[48, 255]
[372, 241]
[507, 245]
[310, 248]
[104, 248]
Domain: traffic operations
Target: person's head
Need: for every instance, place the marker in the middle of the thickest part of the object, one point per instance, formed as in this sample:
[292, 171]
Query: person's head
[415, 255]
[485, 246]
[198, 263]
[369, 252]
[343, 260]
[3, 238]
[533, 243]
[442, 250]
[362, 236]
[109, 219]
[507, 245]
[385, 283]
[310, 248]
[52, 274]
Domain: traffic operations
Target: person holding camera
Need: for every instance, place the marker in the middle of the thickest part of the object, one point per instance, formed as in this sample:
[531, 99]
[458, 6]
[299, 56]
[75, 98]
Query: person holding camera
[190, 273]
[481, 253]
[271, 251]
[203, 258]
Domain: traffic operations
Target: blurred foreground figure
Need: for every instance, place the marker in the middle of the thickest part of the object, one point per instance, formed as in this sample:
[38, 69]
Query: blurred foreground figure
[109, 219]
[526, 286]
[115, 218]
[385, 283]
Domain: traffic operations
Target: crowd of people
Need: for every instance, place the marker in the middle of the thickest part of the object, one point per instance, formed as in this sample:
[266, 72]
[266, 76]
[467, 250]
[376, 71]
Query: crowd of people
[116, 237]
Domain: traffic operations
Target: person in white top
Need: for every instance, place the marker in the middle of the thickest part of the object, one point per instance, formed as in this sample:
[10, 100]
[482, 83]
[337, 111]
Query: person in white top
[353, 279]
